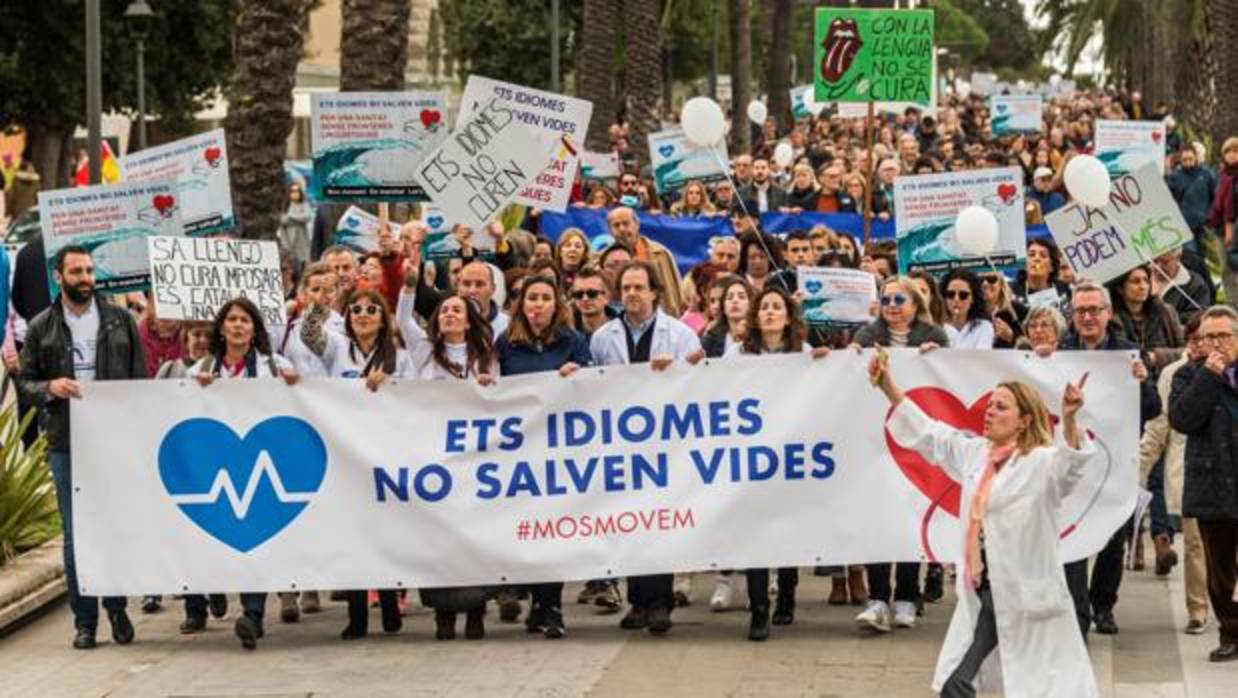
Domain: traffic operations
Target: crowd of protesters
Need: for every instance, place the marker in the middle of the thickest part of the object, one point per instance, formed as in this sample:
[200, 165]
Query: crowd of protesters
[536, 304]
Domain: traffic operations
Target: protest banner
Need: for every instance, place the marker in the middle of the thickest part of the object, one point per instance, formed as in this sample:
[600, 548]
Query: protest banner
[560, 123]
[191, 278]
[803, 103]
[1141, 222]
[1015, 114]
[984, 84]
[367, 145]
[483, 165]
[927, 206]
[874, 56]
[1126, 145]
[357, 229]
[440, 243]
[599, 165]
[259, 486]
[112, 221]
[199, 166]
[677, 161]
[834, 296]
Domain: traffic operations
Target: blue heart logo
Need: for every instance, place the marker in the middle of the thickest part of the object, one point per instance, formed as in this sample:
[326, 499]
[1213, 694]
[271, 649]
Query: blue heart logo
[242, 491]
[351, 222]
[813, 287]
[1001, 108]
[666, 150]
[435, 221]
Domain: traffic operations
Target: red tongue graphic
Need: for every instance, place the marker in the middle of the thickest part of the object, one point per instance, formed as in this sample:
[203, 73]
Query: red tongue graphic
[1006, 191]
[841, 44]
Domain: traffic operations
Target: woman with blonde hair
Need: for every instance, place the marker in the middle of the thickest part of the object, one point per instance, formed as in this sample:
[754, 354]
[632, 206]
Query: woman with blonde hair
[694, 201]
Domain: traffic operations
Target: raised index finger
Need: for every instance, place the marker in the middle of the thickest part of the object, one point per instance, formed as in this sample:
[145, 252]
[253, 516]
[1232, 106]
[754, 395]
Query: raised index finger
[1083, 380]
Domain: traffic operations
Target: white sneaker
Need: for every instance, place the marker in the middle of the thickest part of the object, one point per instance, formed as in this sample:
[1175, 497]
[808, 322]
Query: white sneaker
[683, 589]
[904, 614]
[876, 616]
[773, 583]
[724, 593]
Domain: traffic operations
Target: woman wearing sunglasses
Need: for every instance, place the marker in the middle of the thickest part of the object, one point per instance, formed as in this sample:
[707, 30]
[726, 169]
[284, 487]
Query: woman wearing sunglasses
[904, 322]
[967, 324]
[367, 351]
[541, 338]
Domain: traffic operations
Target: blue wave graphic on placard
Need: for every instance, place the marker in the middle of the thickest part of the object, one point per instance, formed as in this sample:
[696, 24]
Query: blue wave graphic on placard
[925, 243]
[338, 165]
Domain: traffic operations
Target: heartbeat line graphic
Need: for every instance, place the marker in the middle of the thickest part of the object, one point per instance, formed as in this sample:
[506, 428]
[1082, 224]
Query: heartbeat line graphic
[240, 503]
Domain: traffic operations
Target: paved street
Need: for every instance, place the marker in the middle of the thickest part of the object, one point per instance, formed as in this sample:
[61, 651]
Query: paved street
[706, 655]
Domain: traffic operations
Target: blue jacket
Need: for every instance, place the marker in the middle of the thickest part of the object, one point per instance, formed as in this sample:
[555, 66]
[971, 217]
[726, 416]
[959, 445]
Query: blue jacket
[4, 292]
[1194, 190]
[1049, 202]
[517, 358]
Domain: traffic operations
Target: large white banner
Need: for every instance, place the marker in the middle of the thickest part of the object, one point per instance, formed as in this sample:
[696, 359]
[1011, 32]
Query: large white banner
[746, 462]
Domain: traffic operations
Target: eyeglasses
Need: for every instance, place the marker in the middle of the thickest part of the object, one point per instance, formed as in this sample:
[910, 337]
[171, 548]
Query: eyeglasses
[1089, 310]
[959, 295]
[1217, 338]
[365, 310]
[990, 279]
[897, 299]
[591, 294]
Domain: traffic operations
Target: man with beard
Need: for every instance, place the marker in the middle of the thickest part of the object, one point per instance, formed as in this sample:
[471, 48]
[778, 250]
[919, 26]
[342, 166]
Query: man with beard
[78, 339]
[769, 196]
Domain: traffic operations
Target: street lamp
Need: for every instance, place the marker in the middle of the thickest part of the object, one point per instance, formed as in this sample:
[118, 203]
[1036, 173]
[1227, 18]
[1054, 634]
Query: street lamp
[139, 15]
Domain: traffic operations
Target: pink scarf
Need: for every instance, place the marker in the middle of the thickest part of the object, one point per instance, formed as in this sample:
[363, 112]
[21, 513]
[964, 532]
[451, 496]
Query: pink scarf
[973, 563]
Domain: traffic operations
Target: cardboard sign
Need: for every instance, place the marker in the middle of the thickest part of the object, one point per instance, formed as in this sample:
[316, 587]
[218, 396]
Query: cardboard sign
[483, 165]
[928, 205]
[1126, 145]
[192, 278]
[112, 221]
[599, 165]
[560, 122]
[199, 164]
[367, 145]
[874, 55]
[984, 84]
[835, 296]
[677, 161]
[1015, 114]
[1141, 221]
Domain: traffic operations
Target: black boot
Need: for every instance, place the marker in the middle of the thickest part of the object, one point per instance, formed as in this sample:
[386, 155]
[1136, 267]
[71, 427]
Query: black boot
[358, 616]
[474, 624]
[784, 607]
[934, 583]
[389, 602]
[444, 625]
[552, 625]
[758, 627]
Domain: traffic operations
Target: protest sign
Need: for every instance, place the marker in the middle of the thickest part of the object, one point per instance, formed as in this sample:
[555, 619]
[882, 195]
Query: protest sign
[192, 278]
[357, 229]
[258, 486]
[874, 55]
[927, 206]
[599, 165]
[483, 165]
[1126, 145]
[199, 165]
[560, 123]
[984, 84]
[834, 296]
[440, 243]
[1141, 221]
[367, 145]
[804, 104]
[677, 161]
[112, 221]
[1015, 114]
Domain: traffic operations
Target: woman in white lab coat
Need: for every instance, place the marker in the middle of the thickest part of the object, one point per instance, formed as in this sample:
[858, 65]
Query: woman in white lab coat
[1011, 590]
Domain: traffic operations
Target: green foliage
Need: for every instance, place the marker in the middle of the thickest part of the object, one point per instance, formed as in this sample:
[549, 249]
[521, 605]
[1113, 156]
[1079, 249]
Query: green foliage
[28, 515]
[508, 39]
[42, 60]
[688, 34]
[1012, 44]
[955, 30]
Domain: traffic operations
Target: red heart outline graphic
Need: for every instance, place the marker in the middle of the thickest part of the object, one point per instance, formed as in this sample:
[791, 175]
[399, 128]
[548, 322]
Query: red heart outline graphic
[943, 406]
[430, 117]
[1156, 136]
[163, 203]
[1007, 191]
[212, 155]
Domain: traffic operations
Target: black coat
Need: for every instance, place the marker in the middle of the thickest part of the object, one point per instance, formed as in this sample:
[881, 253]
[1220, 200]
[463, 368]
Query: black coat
[31, 294]
[1204, 406]
[1149, 399]
[877, 332]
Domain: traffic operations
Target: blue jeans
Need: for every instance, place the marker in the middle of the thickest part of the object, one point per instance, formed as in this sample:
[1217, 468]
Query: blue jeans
[85, 608]
[1157, 510]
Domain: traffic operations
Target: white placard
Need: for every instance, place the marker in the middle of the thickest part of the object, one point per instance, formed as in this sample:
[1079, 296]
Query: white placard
[191, 278]
[677, 161]
[834, 296]
[199, 165]
[1124, 146]
[1015, 114]
[599, 165]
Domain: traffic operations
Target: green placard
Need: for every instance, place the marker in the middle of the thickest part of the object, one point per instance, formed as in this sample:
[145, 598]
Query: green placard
[874, 56]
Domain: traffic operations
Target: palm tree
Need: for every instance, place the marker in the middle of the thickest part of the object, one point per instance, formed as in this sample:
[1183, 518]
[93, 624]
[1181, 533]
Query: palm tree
[642, 72]
[741, 72]
[597, 56]
[373, 45]
[268, 43]
[778, 63]
[1224, 17]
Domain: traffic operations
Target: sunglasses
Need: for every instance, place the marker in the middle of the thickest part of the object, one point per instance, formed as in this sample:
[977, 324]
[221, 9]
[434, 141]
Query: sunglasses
[365, 310]
[958, 295]
[897, 299]
[589, 293]
[990, 279]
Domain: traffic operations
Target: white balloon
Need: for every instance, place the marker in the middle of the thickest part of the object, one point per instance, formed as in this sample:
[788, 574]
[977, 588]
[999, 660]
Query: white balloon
[783, 154]
[1087, 180]
[702, 121]
[976, 229]
[757, 112]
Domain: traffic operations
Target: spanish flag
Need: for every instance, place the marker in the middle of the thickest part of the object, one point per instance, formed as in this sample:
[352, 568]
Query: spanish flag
[110, 171]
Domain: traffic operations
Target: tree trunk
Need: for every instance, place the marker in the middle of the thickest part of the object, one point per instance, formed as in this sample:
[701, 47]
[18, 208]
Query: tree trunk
[1161, 32]
[373, 45]
[1224, 18]
[643, 73]
[778, 64]
[741, 72]
[268, 44]
[47, 154]
[597, 60]
[1195, 72]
